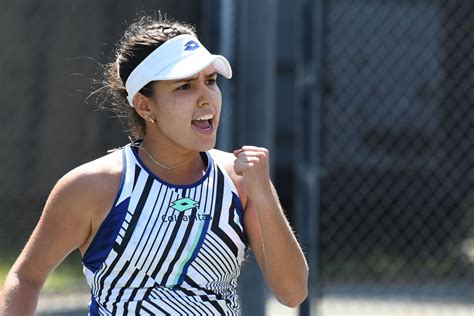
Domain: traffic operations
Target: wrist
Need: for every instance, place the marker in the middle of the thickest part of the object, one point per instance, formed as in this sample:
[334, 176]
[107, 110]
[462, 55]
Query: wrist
[263, 200]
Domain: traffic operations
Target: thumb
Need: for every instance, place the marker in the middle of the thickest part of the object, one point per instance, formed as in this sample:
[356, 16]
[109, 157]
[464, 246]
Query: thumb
[237, 152]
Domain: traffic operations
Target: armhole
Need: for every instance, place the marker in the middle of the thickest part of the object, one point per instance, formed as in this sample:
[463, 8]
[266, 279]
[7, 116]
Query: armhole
[105, 236]
[240, 212]
[236, 197]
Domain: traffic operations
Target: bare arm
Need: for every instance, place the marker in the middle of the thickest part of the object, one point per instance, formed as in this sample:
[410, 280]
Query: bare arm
[19, 295]
[275, 247]
[65, 225]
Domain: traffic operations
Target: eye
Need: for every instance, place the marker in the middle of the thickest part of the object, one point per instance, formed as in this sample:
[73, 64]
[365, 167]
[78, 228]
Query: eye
[211, 81]
[185, 86]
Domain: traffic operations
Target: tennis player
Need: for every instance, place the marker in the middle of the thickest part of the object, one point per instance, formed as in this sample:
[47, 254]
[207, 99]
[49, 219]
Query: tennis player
[162, 223]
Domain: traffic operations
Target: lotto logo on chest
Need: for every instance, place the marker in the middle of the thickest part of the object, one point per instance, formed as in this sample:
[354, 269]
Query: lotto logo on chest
[184, 204]
[181, 206]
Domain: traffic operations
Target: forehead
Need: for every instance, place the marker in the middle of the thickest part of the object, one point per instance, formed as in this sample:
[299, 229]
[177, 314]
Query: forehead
[206, 72]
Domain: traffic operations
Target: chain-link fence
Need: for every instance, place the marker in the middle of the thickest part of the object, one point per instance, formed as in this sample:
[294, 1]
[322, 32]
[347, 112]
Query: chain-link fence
[396, 219]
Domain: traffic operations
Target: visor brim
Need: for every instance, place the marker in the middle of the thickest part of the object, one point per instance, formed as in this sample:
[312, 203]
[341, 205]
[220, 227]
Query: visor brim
[194, 64]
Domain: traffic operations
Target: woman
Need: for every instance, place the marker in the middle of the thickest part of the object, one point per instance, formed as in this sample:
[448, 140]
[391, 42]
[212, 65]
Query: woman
[163, 222]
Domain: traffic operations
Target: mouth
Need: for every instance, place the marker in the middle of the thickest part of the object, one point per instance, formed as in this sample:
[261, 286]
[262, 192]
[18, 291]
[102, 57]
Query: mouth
[204, 123]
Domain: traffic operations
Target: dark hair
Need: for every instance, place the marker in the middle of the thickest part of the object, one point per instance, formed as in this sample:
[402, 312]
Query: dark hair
[139, 40]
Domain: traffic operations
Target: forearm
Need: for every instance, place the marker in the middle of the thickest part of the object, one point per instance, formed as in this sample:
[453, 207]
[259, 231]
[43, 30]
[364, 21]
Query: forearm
[285, 267]
[18, 296]
[276, 249]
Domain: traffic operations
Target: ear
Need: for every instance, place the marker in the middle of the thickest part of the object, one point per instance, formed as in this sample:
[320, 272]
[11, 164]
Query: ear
[142, 105]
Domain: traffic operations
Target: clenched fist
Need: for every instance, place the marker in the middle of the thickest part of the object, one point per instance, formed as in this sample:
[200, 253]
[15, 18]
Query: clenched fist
[252, 163]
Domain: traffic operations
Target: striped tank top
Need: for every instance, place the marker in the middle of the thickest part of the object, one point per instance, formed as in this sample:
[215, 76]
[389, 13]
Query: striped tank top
[167, 249]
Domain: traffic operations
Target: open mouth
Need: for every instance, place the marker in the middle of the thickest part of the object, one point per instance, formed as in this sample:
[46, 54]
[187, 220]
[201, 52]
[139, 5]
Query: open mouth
[204, 122]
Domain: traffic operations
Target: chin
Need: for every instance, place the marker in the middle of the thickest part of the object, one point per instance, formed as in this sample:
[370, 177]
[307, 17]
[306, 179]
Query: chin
[206, 148]
[207, 145]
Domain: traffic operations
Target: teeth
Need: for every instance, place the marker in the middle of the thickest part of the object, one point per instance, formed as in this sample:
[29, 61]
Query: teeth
[205, 117]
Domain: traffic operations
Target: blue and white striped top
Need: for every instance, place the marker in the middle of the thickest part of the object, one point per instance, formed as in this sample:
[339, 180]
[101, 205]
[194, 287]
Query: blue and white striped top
[167, 249]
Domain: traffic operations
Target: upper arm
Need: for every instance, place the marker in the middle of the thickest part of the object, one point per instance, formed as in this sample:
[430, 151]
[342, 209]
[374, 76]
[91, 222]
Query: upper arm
[63, 226]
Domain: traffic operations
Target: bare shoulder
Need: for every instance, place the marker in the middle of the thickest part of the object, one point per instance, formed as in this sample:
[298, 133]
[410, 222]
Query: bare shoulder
[100, 171]
[86, 194]
[94, 178]
[85, 191]
[226, 160]
[94, 185]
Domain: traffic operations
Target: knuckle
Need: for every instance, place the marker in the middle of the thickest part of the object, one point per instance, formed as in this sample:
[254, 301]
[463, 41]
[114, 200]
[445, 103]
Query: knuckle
[262, 155]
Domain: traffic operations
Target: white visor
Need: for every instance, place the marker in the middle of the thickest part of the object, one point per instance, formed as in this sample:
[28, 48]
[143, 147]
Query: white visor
[181, 57]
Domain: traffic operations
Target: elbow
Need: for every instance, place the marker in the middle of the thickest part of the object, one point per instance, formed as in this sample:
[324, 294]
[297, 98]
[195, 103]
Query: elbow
[292, 296]
[294, 300]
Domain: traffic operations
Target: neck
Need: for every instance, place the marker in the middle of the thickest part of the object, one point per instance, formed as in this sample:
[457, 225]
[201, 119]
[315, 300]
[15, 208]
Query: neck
[174, 164]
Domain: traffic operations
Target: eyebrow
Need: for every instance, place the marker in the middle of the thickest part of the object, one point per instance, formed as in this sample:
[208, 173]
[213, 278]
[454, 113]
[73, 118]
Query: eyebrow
[195, 77]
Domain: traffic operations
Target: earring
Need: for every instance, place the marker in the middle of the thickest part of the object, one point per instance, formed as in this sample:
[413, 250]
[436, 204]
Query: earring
[152, 120]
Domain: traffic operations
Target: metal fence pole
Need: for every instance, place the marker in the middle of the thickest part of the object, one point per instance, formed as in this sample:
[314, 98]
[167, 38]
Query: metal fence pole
[257, 82]
[308, 118]
[227, 40]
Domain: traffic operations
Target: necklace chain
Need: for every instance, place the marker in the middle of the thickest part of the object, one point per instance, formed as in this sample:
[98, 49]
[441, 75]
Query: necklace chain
[139, 146]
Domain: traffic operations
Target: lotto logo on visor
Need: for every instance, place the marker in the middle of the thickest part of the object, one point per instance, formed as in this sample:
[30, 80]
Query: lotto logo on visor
[191, 45]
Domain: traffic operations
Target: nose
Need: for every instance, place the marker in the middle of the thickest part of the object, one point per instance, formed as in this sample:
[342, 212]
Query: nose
[205, 94]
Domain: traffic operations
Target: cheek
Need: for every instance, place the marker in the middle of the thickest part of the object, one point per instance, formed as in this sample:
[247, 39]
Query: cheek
[176, 111]
[217, 99]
